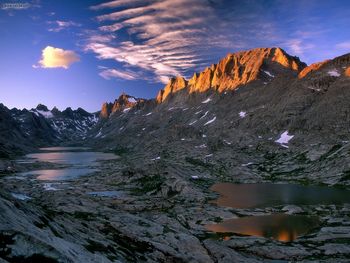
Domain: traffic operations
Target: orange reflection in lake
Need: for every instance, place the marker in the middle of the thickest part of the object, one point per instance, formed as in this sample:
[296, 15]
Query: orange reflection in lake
[281, 227]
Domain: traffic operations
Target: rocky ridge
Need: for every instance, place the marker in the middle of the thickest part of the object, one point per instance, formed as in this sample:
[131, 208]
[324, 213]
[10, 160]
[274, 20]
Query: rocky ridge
[235, 70]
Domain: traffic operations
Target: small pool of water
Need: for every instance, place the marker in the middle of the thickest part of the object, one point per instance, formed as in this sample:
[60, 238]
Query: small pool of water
[264, 195]
[59, 174]
[61, 149]
[106, 193]
[79, 162]
[71, 158]
[280, 227]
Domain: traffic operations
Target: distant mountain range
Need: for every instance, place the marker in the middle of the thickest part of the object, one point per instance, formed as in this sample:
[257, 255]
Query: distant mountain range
[23, 130]
[256, 103]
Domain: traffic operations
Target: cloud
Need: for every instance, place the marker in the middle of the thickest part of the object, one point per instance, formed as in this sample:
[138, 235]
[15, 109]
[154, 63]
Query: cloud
[343, 45]
[111, 28]
[298, 46]
[120, 74]
[118, 3]
[60, 25]
[166, 38]
[56, 58]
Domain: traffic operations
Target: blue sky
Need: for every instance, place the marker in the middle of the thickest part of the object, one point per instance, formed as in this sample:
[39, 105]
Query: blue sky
[82, 53]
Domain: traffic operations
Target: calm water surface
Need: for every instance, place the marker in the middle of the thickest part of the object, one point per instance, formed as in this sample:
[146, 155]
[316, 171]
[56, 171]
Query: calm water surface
[80, 162]
[282, 227]
[263, 195]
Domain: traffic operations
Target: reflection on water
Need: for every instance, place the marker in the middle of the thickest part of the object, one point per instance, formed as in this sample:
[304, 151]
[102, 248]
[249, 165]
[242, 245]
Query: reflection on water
[61, 149]
[59, 174]
[281, 227]
[80, 162]
[72, 158]
[259, 195]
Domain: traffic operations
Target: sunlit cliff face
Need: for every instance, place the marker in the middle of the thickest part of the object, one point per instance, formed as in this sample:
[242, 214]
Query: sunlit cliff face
[234, 70]
[347, 72]
[312, 67]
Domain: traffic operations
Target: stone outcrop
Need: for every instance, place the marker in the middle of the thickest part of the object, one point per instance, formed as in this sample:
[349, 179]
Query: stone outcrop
[174, 85]
[347, 72]
[311, 68]
[123, 102]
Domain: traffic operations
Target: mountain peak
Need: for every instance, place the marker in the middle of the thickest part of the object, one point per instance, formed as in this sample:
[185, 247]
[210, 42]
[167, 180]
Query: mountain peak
[123, 102]
[42, 107]
[236, 69]
[174, 85]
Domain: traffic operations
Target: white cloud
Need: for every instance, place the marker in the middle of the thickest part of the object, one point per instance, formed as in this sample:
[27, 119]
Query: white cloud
[60, 25]
[120, 74]
[298, 46]
[344, 45]
[173, 37]
[118, 3]
[170, 35]
[111, 28]
[56, 58]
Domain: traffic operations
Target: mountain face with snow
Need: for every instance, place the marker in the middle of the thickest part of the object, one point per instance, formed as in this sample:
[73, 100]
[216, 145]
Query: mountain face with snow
[123, 103]
[22, 130]
[250, 106]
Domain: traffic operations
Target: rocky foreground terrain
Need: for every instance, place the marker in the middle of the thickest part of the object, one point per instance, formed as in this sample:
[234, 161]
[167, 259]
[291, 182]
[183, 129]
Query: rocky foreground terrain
[256, 116]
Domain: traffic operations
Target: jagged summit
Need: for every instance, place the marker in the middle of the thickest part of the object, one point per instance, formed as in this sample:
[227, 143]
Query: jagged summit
[42, 107]
[236, 69]
[339, 64]
[124, 102]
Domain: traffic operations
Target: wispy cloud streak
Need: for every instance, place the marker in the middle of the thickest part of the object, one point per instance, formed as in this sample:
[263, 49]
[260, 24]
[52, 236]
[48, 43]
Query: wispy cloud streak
[176, 37]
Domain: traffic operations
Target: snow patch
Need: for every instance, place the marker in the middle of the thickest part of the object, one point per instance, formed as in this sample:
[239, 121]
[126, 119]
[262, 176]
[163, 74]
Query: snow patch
[193, 122]
[247, 164]
[99, 133]
[157, 158]
[126, 110]
[45, 114]
[132, 100]
[312, 88]
[269, 73]
[207, 100]
[49, 187]
[202, 146]
[284, 139]
[205, 114]
[227, 142]
[148, 114]
[242, 114]
[333, 73]
[22, 197]
[210, 121]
